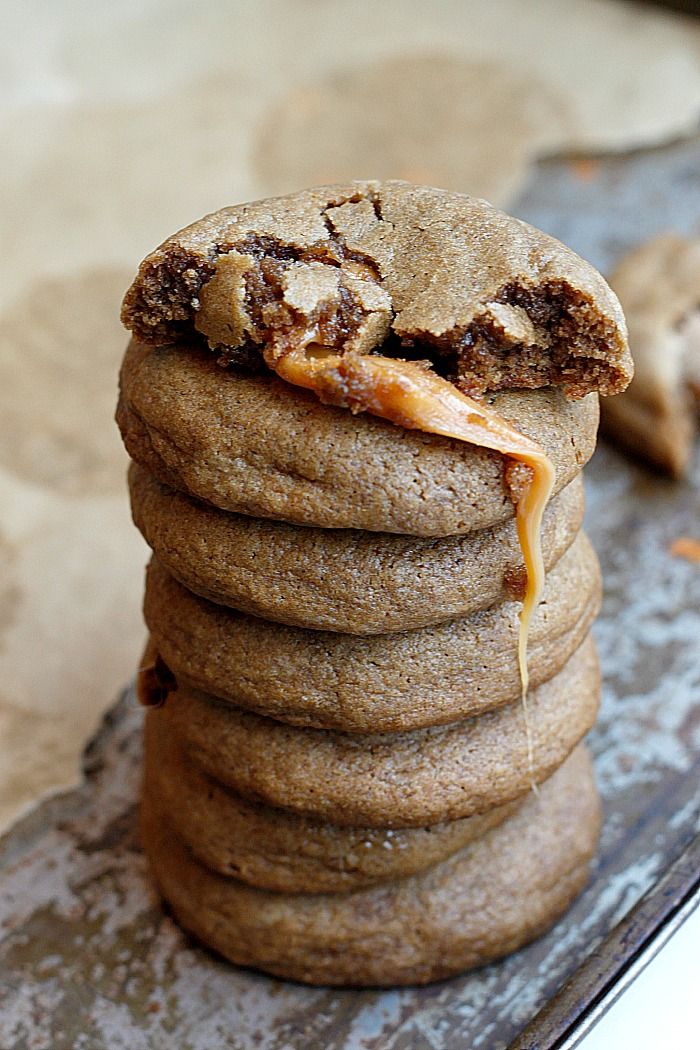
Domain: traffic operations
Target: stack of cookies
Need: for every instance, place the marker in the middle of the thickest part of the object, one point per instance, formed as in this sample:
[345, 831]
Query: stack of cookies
[339, 762]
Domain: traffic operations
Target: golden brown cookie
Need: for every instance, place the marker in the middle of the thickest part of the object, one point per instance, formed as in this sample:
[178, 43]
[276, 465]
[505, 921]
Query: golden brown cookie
[255, 445]
[274, 849]
[659, 288]
[339, 579]
[488, 899]
[378, 683]
[494, 302]
[389, 779]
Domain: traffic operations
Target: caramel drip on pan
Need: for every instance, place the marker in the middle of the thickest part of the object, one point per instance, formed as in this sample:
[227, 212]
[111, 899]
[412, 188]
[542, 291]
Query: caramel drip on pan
[413, 396]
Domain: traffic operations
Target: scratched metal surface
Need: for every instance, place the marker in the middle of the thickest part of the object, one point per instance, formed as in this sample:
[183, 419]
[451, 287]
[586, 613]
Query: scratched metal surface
[88, 960]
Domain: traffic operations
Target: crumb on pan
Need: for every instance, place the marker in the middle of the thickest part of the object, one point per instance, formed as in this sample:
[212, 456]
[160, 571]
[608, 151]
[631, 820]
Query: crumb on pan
[685, 547]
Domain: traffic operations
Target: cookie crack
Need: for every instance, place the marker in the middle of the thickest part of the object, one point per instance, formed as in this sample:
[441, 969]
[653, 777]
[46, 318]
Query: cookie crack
[277, 297]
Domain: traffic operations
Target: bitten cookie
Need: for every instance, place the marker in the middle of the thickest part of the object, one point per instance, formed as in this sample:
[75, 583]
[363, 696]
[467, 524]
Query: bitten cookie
[485, 901]
[393, 779]
[274, 849]
[340, 579]
[494, 302]
[371, 684]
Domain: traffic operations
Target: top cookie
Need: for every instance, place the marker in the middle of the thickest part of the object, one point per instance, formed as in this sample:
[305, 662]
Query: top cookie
[492, 302]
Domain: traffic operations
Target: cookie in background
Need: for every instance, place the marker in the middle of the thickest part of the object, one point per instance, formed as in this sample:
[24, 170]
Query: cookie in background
[658, 285]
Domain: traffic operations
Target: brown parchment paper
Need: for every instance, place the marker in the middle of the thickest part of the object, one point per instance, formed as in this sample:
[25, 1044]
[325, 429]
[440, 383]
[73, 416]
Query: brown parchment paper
[122, 122]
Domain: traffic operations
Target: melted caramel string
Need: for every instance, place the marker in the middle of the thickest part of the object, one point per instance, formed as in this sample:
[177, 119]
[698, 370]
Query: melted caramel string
[413, 396]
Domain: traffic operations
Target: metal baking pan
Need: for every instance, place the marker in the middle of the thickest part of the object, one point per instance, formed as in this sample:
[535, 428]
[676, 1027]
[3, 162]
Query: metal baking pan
[88, 958]
[569, 1015]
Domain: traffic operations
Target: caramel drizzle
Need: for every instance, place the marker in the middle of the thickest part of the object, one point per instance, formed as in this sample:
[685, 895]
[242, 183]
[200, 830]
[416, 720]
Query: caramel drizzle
[413, 396]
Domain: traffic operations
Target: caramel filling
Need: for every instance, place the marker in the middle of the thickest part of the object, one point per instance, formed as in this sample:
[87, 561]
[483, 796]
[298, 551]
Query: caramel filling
[412, 395]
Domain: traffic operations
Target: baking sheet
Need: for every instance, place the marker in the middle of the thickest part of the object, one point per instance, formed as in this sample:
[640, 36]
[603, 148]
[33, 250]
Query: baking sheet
[608, 971]
[89, 960]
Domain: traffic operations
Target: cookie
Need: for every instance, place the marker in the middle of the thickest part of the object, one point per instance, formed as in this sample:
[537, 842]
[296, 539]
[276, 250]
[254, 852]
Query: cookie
[371, 684]
[495, 895]
[408, 779]
[492, 301]
[255, 445]
[339, 579]
[656, 417]
[282, 851]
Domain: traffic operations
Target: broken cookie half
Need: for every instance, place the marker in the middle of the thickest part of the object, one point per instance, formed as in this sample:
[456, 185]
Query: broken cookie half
[659, 287]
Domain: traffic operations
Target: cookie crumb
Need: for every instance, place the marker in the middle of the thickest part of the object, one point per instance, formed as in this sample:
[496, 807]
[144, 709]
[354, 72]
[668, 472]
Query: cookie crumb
[685, 547]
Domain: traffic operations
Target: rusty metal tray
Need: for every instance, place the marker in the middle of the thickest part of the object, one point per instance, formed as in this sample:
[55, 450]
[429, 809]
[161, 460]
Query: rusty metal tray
[89, 961]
